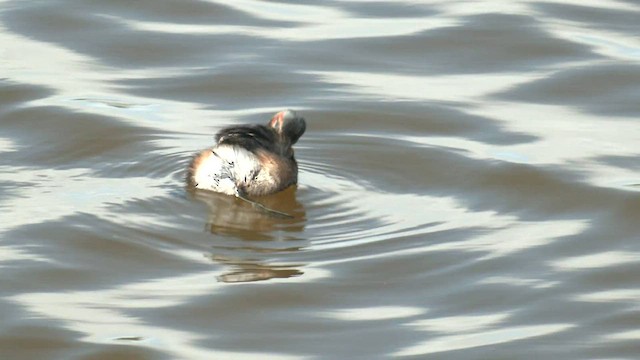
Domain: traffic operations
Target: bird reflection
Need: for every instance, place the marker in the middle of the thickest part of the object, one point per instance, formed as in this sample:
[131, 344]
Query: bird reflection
[247, 270]
[256, 236]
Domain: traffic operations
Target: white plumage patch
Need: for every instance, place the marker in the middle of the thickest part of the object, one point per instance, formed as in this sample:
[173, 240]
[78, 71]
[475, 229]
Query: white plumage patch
[222, 168]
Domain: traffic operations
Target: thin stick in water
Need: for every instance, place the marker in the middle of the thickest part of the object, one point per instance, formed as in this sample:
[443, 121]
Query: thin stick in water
[264, 208]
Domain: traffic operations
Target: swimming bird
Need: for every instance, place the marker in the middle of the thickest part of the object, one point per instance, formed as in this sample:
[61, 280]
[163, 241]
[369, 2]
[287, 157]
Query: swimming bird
[250, 160]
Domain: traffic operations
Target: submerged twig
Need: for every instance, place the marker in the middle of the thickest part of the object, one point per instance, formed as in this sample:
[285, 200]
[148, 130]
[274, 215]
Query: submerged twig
[264, 208]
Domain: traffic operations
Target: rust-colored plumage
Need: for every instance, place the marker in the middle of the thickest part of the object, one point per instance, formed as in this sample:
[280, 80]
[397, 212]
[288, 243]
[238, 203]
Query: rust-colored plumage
[250, 159]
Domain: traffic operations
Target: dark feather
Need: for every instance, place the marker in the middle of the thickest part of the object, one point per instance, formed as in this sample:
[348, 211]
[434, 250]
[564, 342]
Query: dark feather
[250, 137]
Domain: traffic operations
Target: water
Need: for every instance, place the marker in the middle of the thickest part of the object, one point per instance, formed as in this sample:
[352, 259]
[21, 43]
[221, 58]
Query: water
[469, 184]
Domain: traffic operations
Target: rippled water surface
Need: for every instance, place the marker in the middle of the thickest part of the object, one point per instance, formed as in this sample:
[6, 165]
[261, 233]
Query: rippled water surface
[469, 183]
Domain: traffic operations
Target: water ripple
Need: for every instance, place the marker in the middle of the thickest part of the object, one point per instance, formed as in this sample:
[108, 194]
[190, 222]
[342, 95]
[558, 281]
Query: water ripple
[468, 181]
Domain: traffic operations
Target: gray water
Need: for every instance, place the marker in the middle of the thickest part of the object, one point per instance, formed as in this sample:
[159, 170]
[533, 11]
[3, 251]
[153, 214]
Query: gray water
[469, 183]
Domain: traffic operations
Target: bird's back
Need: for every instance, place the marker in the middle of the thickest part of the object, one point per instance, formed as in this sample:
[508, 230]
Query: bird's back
[249, 137]
[224, 169]
[250, 159]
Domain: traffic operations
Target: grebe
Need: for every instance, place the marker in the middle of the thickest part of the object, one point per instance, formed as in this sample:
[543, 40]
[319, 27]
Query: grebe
[250, 160]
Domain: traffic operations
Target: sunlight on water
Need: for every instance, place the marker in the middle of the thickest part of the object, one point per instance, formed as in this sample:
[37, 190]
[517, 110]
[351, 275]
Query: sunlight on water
[603, 4]
[509, 234]
[442, 214]
[56, 194]
[10, 254]
[81, 312]
[515, 281]
[468, 180]
[483, 7]
[454, 88]
[456, 324]
[515, 238]
[565, 137]
[374, 313]
[482, 338]
[7, 145]
[560, 138]
[105, 324]
[608, 43]
[622, 295]
[339, 29]
[90, 88]
[600, 260]
[624, 335]
[473, 149]
[283, 11]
